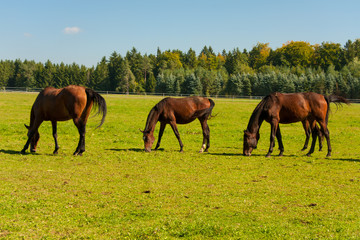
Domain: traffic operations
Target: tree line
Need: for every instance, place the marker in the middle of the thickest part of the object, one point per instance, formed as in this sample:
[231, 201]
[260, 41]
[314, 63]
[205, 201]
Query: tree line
[297, 66]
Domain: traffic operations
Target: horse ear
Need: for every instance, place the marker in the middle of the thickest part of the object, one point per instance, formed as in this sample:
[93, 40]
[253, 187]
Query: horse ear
[26, 126]
[141, 130]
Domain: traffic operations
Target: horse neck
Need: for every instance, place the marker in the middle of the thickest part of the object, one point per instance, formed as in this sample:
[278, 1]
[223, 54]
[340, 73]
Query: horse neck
[32, 117]
[151, 121]
[256, 118]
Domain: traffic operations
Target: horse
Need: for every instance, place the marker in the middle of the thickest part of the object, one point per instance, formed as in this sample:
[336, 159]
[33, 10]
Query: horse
[178, 111]
[71, 102]
[289, 108]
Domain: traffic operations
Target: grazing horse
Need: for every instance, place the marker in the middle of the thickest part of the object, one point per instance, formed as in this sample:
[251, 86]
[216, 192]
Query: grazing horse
[71, 102]
[289, 108]
[182, 111]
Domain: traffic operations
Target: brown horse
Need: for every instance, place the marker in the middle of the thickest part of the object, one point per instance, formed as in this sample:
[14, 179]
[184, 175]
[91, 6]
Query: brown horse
[71, 102]
[289, 108]
[178, 110]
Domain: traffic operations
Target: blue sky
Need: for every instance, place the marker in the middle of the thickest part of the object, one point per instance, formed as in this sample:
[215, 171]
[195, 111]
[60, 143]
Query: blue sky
[85, 31]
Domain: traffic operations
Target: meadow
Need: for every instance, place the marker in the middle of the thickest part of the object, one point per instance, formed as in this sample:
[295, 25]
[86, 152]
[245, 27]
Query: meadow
[117, 191]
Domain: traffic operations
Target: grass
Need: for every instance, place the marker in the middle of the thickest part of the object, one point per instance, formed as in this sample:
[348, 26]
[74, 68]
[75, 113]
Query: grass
[117, 191]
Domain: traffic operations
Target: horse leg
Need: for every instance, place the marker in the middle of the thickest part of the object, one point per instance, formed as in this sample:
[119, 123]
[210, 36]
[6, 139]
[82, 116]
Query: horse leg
[31, 134]
[54, 132]
[326, 133]
[82, 129]
[162, 128]
[321, 138]
[314, 135]
[206, 135]
[279, 138]
[307, 133]
[274, 126]
[174, 128]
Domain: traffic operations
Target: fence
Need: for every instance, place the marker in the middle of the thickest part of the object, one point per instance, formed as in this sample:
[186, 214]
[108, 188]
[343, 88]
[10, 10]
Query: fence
[25, 89]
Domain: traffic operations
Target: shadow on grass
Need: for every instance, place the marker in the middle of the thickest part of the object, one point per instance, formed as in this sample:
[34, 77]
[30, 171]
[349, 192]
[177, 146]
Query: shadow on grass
[226, 154]
[131, 150]
[345, 159]
[13, 152]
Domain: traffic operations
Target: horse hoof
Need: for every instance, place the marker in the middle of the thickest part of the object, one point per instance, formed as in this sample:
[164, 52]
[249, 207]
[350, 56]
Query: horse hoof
[268, 155]
[303, 149]
[308, 155]
[22, 152]
[328, 155]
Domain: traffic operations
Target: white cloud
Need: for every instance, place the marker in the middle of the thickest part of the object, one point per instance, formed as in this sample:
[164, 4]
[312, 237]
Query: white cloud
[72, 30]
[27, 35]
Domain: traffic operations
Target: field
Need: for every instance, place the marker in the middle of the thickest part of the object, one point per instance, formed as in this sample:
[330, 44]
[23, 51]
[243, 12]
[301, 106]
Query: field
[117, 191]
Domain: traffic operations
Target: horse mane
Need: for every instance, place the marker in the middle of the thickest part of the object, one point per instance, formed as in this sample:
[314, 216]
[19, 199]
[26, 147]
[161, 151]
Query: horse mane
[154, 115]
[255, 116]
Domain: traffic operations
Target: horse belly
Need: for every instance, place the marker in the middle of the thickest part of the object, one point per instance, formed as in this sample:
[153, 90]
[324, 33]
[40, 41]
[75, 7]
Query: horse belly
[184, 120]
[288, 116]
[56, 113]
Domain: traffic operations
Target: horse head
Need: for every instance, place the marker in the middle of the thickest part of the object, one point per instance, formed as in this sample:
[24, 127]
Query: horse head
[149, 139]
[35, 139]
[250, 142]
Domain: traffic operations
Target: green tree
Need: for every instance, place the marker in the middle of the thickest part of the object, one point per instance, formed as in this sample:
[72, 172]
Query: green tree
[127, 80]
[45, 76]
[236, 62]
[100, 78]
[351, 50]
[293, 54]
[6, 71]
[246, 84]
[190, 61]
[115, 71]
[146, 67]
[258, 56]
[192, 85]
[136, 64]
[234, 85]
[150, 83]
[328, 54]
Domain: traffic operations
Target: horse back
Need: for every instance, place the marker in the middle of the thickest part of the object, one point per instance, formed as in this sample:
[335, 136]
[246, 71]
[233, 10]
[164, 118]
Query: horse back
[60, 104]
[296, 107]
[184, 110]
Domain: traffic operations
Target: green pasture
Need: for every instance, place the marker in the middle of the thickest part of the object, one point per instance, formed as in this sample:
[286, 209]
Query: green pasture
[117, 191]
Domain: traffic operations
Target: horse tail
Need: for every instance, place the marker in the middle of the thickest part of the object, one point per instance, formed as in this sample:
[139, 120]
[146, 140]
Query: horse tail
[212, 105]
[99, 103]
[334, 99]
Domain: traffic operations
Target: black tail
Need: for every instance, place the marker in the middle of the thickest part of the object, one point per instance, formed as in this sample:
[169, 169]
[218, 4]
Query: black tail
[99, 103]
[334, 99]
[212, 105]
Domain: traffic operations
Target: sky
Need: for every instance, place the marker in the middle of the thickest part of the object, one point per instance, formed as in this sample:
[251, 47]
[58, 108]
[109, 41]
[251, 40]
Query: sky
[85, 31]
